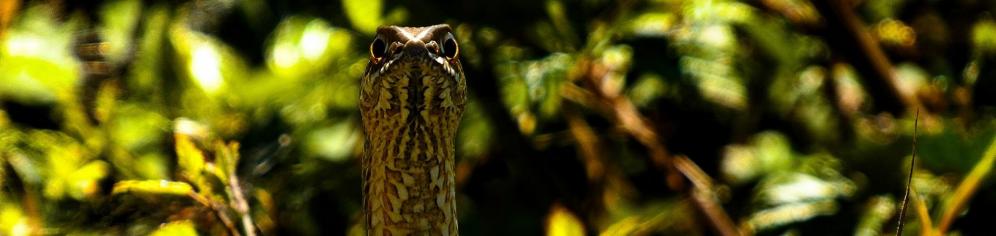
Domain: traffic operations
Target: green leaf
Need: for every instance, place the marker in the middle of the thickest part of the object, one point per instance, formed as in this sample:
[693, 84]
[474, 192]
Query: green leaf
[333, 143]
[984, 36]
[84, 182]
[152, 187]
[36, 58]
[954, 204]
[119, 20]
[561, 222]
[475, 132]
[877, 213]
[176, 228]
[364, 14]
[12, 220]
[226, 159]
[190, 160]
[301, 46]
[210, 63]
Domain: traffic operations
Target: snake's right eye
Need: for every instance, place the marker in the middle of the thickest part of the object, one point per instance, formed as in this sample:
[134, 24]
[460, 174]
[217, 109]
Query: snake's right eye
[378, 49]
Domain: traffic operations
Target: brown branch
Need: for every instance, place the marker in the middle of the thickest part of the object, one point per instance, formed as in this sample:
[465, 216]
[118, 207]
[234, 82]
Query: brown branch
[622, 110]
[800, 13]
[704, 197]
[8, 9]
[587, 144]
[219, 211]
[619, 108]
[847, 35]
[625, 113]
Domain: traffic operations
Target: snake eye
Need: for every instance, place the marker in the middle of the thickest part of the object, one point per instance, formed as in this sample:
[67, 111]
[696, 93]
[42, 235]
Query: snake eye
[450, 48]
[378, 49]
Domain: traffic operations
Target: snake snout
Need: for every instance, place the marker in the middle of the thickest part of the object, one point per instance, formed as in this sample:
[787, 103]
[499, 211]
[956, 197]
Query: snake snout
[415, 48]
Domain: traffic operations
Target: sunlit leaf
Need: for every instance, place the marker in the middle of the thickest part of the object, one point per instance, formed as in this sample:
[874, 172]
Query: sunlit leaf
[226, 160]
[152, 187]
[984, 36]
[534, 86]
[653, 24]
[561, 222]
[190, 160]
[13, 221]
[145, 76]
[364, 14]
[895, 32]
[333, 143]
[716, 80]
[654, 218]
[211, 64]
[176, 228]
[85, 181]
[647, 88]
[810, 188]
[616, 60]
[37, 63]
[719, 11]
[789, 213]
[4, 120]
[134, 127]
[67, 168]
[119, 19]
[793, 188]
[768, 152]
[301, 46]
[878, 211]
[152, 165]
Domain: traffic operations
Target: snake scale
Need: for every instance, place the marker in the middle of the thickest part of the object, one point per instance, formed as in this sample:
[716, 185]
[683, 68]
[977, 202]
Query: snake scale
[412, 97]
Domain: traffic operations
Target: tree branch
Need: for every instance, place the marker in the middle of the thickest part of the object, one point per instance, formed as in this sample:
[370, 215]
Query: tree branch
[703, 196]
[847, 35]
[625, 113]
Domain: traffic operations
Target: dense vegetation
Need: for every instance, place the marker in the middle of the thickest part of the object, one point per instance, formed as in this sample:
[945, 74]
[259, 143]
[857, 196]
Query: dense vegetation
[630, 117]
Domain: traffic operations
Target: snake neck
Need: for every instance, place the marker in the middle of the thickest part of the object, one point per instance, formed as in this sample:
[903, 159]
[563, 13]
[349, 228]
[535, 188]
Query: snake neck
[409, 184]
[408, 166]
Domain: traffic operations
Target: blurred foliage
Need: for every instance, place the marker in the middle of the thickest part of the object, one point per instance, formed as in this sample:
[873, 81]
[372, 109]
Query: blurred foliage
[125, 117]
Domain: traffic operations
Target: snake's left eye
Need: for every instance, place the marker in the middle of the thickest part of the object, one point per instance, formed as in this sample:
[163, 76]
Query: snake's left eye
[450, 47]
[378, 49]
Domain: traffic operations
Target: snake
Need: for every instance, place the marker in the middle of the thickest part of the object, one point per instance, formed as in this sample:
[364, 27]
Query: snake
[412, 97]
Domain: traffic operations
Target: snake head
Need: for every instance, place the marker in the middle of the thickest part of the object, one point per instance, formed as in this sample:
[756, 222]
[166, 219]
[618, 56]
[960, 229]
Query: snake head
[414, 70]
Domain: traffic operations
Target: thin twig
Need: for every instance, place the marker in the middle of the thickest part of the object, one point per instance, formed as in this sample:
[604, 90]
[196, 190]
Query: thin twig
[849, 35]
[241, 206]
[704, 197]
[625, 113]
[219, 211]
[587, 144]
[909, 180]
